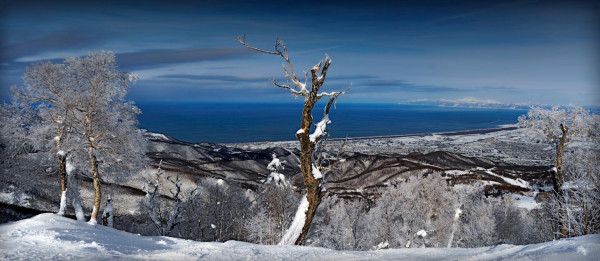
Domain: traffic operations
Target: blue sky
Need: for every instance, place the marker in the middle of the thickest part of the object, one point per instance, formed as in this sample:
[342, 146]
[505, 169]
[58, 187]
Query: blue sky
[540, 52]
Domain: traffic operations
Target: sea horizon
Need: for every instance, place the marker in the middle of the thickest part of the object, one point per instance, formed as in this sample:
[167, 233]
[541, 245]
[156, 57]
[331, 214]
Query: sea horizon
[227, 122]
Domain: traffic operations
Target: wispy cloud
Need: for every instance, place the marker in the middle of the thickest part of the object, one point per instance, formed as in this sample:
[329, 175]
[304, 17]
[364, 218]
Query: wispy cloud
[56, 41]
[159, 57]
[399, 85]
[470, 102]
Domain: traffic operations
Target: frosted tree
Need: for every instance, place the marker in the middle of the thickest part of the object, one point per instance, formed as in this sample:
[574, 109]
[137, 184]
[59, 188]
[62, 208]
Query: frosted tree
[165, 215]
[275, 166]
[275, 206]
[415, 213]
[102, 117]
[476, 223]
[44, 104]
[578, 206]
[218, 212]
[311, 172]
[560, 127]
[338, 224]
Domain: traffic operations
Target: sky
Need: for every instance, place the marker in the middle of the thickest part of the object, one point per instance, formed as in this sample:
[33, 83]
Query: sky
[518, 52]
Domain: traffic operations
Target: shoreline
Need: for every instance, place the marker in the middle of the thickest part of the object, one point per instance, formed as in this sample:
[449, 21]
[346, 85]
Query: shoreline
[506, 127]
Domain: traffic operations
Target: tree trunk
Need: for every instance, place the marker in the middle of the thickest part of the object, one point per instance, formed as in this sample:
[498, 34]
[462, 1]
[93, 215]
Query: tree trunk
[62, 168]
[62, 164]
[558, 180]
[96, 178]
[313, 186]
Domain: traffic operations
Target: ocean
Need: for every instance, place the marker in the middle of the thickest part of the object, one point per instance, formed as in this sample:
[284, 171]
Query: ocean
[239, 122]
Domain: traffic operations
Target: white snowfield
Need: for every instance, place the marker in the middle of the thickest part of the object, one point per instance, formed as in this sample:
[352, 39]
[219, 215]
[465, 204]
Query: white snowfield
[52, 237]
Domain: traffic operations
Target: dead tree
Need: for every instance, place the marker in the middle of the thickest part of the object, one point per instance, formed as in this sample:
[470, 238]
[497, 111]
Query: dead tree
[313, 177]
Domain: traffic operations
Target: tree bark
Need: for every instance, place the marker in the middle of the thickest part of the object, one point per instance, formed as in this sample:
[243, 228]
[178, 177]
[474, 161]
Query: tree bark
[62, 168]
[96, 179]
[558, 179]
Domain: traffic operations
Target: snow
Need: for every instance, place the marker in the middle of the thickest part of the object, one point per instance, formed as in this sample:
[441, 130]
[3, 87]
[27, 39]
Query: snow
[320, 128]
[61, 153]
[316, 173]
[526, 202]
[300, 131]
[295, 228]
[457, 213]
[52, 237]
[12, 198]
[93, 221]
[63, 203]
[516, 182]
[277, 178]
[158, 136]
[275, 164]
[456, 172]
[69, 168]
[422, 233]
[56, 138]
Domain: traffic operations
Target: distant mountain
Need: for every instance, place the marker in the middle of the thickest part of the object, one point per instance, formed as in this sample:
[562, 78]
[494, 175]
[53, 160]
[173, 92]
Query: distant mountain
[470, 102]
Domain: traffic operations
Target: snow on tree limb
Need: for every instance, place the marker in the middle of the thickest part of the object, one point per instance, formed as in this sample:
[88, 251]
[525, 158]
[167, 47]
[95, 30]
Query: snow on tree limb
[295, 228]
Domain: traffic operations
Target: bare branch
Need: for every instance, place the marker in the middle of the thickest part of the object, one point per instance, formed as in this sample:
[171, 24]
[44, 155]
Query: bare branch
[242, 40]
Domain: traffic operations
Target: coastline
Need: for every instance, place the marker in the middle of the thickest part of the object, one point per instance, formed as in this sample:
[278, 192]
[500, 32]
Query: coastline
[504, 127]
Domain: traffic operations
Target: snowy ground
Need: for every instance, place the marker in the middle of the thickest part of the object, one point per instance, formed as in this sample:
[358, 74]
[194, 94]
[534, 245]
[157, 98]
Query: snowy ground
[48, 236]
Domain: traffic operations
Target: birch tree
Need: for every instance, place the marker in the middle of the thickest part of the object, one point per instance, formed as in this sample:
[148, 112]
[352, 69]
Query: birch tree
[44, 103]
[103, 118]
[309, 143]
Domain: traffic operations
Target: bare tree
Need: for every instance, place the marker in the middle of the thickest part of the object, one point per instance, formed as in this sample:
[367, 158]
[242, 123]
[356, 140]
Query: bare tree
[165, 216]
[312, 174]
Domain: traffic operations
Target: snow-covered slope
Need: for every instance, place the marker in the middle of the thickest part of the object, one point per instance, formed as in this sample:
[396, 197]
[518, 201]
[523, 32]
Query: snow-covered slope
[49, 236]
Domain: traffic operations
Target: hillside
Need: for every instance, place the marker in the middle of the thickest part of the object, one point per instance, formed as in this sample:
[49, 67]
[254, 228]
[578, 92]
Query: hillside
[51, 237]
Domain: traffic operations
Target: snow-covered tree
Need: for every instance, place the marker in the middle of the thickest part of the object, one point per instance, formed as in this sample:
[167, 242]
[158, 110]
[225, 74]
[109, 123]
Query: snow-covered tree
[578, 206]
[338, 224]
[476, 222]
[218, 212]
[44, 105]
[560, 127]
[275, 207]
[415, 213]
[275, 166]
[103, 118]
[165, 215]
[309, 143]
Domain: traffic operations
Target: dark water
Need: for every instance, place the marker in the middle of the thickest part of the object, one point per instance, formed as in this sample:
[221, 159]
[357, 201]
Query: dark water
[228, 122]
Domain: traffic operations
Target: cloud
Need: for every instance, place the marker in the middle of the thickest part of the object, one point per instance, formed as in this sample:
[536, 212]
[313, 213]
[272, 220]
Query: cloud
[158, 57]
[470, 102]
[398, 85]
[221, 78]
[56, 41]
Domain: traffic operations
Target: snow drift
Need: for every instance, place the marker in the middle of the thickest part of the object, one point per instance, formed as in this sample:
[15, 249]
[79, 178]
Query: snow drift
[49, 236]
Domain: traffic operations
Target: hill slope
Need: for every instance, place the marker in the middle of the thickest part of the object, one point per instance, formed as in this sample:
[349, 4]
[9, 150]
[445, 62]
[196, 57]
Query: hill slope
[48, 236]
